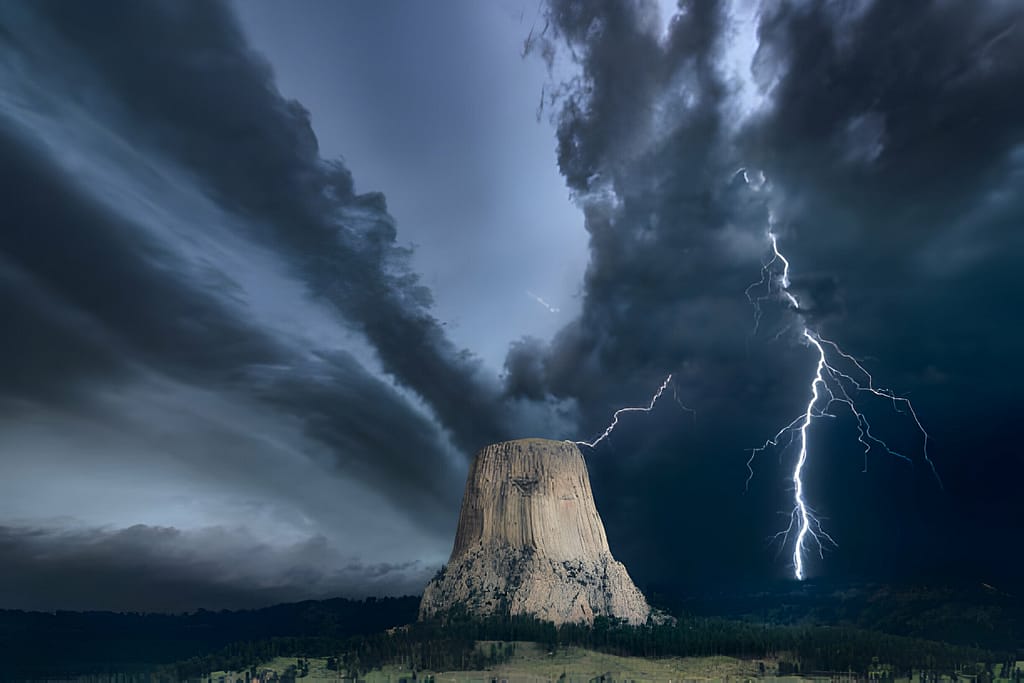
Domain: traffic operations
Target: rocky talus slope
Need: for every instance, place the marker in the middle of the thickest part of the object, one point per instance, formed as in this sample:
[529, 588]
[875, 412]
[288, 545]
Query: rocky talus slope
[530, 541]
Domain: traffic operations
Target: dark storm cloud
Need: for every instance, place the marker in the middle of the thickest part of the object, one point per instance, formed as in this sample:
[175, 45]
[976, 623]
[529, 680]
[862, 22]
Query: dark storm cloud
[86, 300]
[911, 101]
[144, 568]
[181, 79]
[890, 136]
[902, 123]
[94, 304]
[642, 144]
[524, 368]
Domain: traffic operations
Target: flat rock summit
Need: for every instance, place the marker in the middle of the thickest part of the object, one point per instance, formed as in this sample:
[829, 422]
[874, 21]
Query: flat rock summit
[530, 541]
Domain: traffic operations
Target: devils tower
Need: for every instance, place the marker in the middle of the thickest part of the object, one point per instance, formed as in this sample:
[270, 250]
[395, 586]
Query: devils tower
[530, 541]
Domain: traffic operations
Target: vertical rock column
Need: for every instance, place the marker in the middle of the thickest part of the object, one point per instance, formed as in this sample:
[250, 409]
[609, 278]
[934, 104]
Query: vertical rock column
[530, 541]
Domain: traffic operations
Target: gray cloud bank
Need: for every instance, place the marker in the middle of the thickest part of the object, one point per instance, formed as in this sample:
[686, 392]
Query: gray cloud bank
[144, 568]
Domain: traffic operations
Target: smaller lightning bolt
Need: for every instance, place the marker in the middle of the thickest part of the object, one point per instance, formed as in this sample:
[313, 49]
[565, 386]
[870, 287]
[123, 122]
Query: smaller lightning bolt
[642, 409]
[545, 304]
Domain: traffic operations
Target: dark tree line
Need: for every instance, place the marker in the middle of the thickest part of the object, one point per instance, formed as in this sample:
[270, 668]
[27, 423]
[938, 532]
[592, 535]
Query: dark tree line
[451, 644]
[966, 613]
[362, 635]
[39, 645]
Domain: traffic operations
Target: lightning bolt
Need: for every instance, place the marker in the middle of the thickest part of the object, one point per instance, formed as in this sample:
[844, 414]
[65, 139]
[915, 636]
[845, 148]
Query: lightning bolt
[641, 409]
[545, 304]
[829, 387]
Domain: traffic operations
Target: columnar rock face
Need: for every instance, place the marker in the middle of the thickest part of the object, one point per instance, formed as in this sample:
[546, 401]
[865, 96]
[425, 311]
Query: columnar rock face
[530, 541]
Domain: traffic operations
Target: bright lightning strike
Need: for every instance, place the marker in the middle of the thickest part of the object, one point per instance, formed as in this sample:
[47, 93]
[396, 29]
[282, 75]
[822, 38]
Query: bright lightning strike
[829, 386]
[642, 409]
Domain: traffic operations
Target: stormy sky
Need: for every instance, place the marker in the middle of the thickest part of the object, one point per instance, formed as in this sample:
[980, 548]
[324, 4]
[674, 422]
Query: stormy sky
[271, 273]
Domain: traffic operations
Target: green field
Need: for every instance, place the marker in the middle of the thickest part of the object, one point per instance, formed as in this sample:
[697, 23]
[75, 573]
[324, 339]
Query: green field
[532, 663]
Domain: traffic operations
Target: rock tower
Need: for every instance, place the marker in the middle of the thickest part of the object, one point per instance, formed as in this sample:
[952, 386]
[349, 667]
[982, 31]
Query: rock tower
[530, 541]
